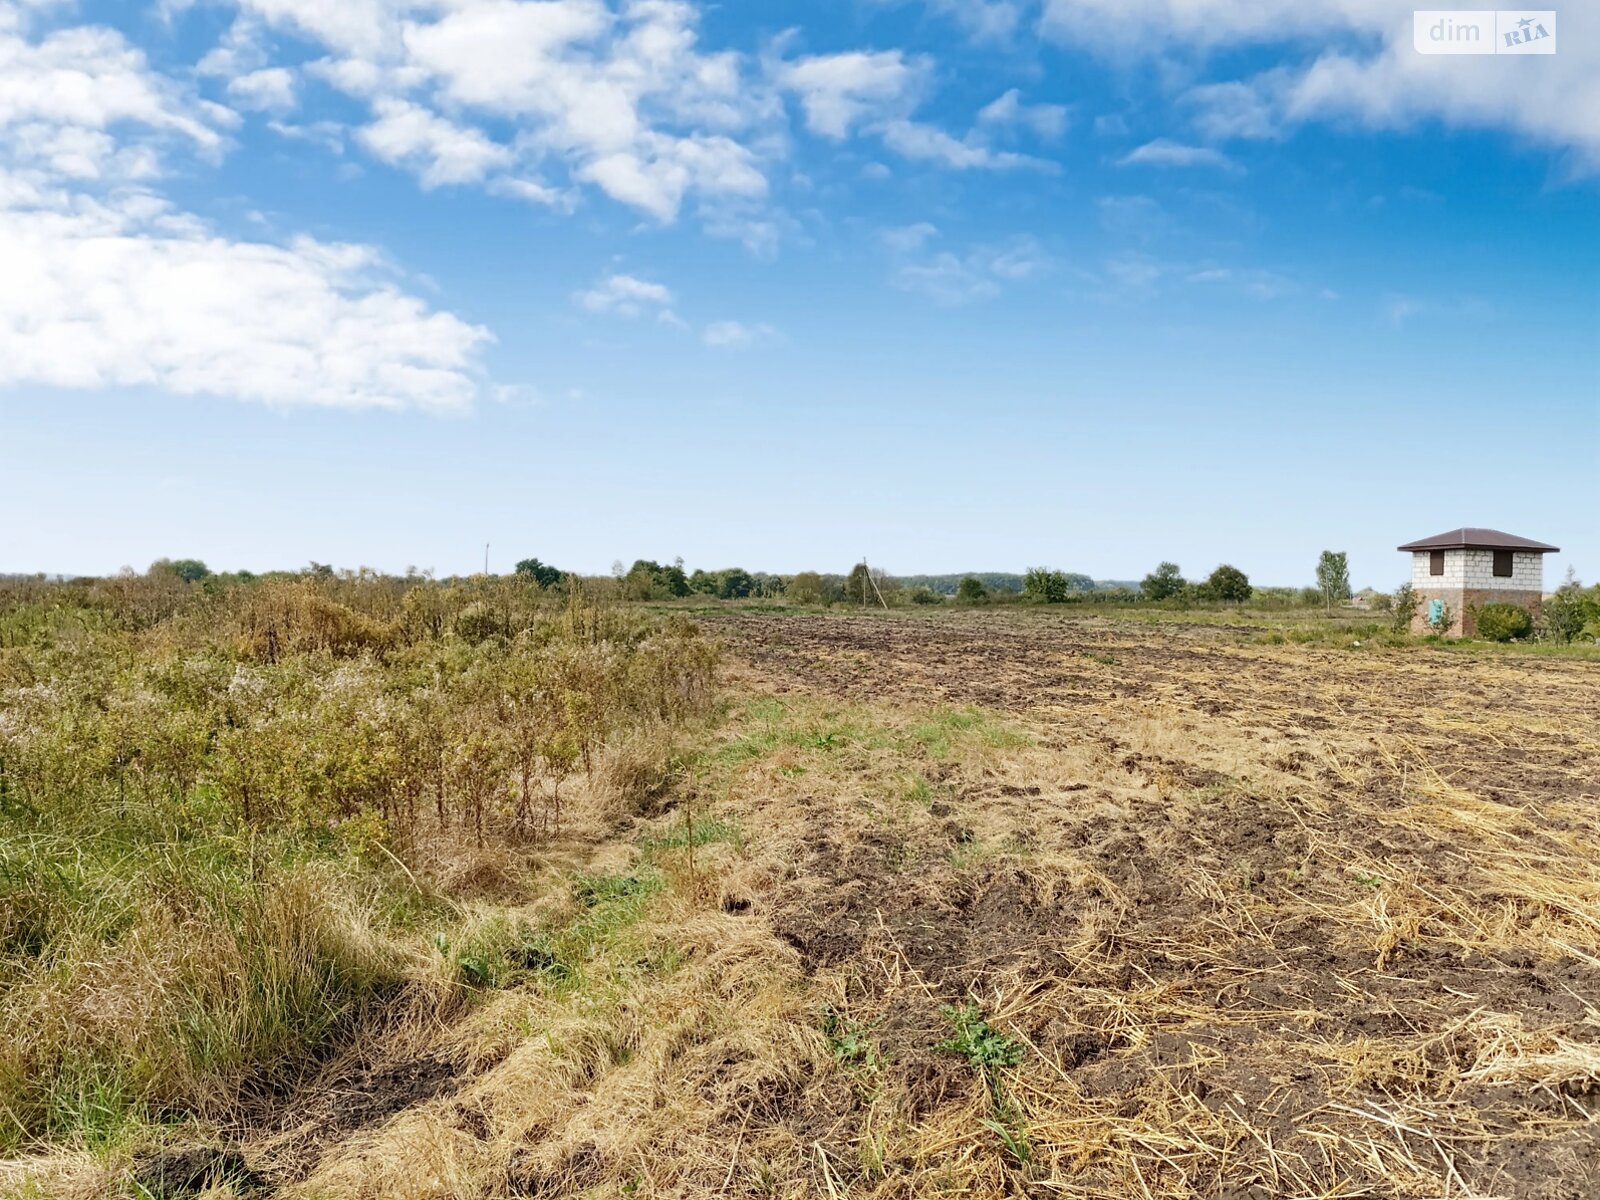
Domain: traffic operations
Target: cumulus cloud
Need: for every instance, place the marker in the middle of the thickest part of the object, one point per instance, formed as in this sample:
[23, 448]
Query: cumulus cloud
[438, 150]
[876, 93]
[621, 99]
[88, 81]
[106, 284]
[839, 91]
[135, 295]
[271, 89]
[1165, 153]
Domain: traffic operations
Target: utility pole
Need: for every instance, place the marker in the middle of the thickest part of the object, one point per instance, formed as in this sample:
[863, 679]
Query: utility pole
[486, 558]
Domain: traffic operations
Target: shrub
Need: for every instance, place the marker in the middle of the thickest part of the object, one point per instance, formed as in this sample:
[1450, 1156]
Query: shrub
[1404, 608]
[924, 595]
[1503, 622]
[477, 622]
[1572, 613]
[971, 591]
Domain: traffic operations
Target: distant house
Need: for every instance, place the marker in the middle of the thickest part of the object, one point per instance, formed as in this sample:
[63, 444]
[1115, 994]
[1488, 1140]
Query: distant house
[1455, 573]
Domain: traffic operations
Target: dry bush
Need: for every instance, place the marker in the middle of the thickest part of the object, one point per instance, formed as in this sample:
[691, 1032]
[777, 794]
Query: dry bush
[283, 618]
[636, 771]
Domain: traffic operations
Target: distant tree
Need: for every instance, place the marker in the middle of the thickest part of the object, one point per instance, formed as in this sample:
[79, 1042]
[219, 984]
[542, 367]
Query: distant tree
[1044, 586]
[805, 588]
[649, 580]
[735, 583]
[731, 583]
[1078, 583]
[1229, 584]
[767, 586]
[543, 574]
[971, 591]
[858, 585]
[190, 570]
[1573, 612]
[1333, 577]
[1164, 583]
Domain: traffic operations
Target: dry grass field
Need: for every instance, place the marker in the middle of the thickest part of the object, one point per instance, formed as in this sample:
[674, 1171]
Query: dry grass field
[1005, 904]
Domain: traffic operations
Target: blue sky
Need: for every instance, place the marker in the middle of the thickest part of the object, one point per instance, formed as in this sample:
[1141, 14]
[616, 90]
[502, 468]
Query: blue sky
[949, 284]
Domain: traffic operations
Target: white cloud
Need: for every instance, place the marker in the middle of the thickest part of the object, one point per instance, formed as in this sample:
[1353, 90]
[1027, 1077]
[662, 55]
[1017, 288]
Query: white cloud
[90, 79]
[1045, 120]
[950, 279]
[875, 92]
[629, 296]
[914, 140]
[1254, 282]
[621, 99]
[982, 20]
[106, 284]
[271, 89]
[438, 150]
[355, 27]
[736, 335]
[97, 296]
[1359, 66]
[906, 239]
[839, 91]
[1165, 153]
[533, 191]
[1148, 25]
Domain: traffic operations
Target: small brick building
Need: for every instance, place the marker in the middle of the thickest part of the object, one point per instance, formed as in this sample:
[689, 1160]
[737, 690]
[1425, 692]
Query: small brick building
[1465, 569]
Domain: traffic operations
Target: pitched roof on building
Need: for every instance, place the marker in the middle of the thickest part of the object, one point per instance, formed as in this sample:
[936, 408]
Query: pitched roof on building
[1468, 538]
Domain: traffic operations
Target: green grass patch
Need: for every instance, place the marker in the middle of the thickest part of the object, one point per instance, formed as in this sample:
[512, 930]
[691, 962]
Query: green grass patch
[947, 730]
[703, 831]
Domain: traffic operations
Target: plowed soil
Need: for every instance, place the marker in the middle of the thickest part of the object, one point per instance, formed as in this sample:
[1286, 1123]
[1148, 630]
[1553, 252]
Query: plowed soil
[1270, 920]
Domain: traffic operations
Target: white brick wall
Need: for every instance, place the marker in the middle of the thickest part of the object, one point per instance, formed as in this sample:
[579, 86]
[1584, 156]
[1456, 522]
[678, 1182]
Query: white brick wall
[1475, 569]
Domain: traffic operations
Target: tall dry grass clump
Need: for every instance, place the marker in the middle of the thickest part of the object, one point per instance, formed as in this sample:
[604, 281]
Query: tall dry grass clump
[219, 813]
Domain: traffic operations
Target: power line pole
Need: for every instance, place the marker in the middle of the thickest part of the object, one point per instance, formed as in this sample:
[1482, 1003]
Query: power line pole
[486, 558]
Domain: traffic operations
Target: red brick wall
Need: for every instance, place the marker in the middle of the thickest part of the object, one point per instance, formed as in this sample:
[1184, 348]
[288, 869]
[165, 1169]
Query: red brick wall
[1463, 601]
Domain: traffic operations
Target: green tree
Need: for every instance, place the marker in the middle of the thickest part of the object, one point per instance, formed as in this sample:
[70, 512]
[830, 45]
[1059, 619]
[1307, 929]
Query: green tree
[649, 580]
[1045, 586]
[1164, 583]
[1333, 576]
[805, 588]
[190, 570]
[858, 585]
[971, 591]
[734, 583]
[543, 574]
[1573, 612]
[1229, 584]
